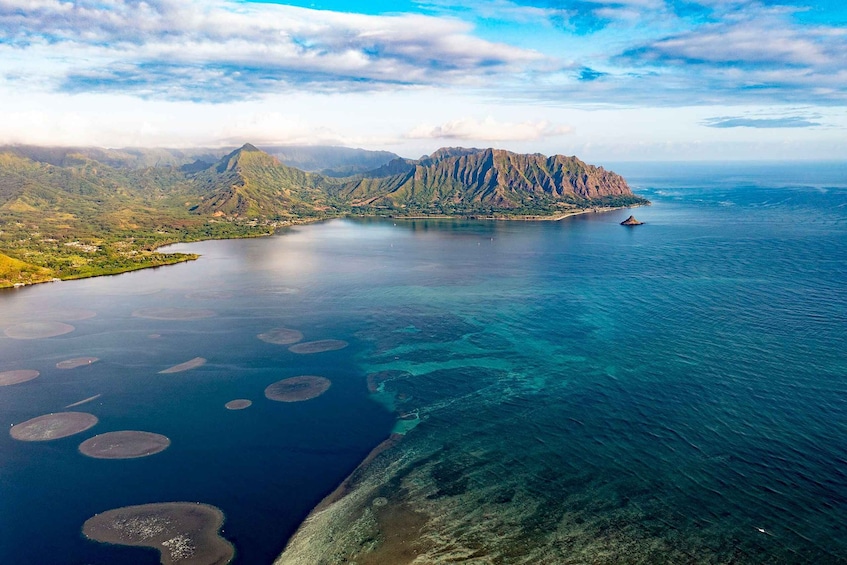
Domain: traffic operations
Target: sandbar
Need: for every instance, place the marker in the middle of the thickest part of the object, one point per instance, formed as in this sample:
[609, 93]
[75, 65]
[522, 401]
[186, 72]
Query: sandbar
[238, 404]
[38, 330]
[84, 401]
[318, 346]
[297, 389]
[76, 362]
[188, 365]
[281, 336]
[128, 444]
[174, 314]
[183, 532]
[14, 377]
[53, 426]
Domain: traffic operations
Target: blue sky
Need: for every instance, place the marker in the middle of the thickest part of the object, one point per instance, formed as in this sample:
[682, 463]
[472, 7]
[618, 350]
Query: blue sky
[603, 79]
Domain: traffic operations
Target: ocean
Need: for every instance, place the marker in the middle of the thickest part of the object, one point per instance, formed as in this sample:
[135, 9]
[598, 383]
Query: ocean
[569, 392]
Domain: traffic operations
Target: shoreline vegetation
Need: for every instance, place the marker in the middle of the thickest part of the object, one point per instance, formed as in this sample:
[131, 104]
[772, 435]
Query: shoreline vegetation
[553, 217]
[156, 259]
[72, 213]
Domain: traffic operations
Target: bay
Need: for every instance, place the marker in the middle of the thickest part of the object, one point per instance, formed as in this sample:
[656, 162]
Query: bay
[569, 390]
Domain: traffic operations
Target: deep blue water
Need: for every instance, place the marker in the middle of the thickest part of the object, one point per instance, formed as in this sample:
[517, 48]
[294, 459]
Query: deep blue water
[684, 381]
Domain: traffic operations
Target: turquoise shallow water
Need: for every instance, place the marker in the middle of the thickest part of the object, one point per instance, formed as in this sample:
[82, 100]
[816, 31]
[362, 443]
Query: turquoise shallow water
[575, 390]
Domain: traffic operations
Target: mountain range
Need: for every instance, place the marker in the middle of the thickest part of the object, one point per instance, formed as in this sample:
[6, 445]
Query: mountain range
[75, 212]
[325, 159]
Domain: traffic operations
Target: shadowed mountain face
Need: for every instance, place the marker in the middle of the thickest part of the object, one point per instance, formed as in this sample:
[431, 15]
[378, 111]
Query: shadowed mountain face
[130, 157]
[331, 161]
[327, 160]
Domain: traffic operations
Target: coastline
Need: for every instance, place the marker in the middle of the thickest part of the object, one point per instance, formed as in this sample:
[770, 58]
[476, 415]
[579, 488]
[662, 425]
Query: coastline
[177, 259]
[516, 218]
[185, 257]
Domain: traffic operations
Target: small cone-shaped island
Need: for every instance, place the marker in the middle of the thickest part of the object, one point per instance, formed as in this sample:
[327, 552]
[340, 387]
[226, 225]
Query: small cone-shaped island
[631, 221]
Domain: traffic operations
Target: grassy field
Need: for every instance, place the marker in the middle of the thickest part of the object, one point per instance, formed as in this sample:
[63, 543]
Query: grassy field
[14, 271]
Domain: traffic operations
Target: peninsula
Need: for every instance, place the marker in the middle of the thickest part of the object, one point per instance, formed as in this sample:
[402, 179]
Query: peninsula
[69, 213]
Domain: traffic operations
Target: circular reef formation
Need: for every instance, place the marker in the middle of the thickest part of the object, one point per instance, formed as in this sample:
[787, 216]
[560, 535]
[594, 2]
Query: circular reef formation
[297, 389]
[174, 314]
[76, 362]
[281, 336]
[238, 404]
[187, 366]
[38, 330]
[53, 426]
[318, 346]
[128, 444]
[14, 377]
[184, 532]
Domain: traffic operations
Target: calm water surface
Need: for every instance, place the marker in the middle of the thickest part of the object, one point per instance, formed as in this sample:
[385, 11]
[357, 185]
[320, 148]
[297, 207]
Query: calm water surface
[679, 388]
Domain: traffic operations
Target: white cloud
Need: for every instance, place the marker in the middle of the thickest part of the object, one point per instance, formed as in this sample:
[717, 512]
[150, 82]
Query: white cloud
[489, 129]
[224, 50]
[224, 72]
[754, 53]
[752, 43]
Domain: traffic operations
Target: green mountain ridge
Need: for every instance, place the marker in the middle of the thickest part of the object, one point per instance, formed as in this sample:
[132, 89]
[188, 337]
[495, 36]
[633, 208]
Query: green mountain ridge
[458, 179]
[251, 183]
[65, 214]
